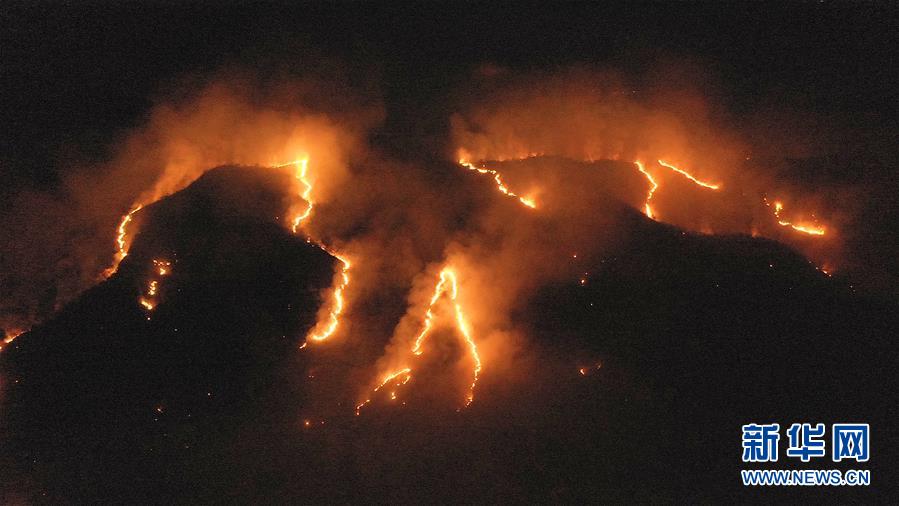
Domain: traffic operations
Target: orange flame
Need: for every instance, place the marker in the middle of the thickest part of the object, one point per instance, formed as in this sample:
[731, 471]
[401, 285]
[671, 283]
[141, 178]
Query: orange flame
[499, 183]
[814, 230]
[302, 167]
[690, 176]
[343, 277]
[149, 300]
[407, 372]
[647, 209]
[446, 284]
[337, 308]
[122, 241]
[10, 336]
[655, 186]
[806, 228]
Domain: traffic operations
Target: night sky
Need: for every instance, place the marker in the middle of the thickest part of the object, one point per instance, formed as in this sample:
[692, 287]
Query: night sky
[74, 76]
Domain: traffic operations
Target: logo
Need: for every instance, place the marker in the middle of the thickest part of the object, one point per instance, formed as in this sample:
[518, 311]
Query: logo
[850, 441]
[806, 441]
[760, 442]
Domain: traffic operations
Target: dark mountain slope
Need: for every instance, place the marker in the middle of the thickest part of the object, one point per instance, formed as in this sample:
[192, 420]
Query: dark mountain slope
[696, 335]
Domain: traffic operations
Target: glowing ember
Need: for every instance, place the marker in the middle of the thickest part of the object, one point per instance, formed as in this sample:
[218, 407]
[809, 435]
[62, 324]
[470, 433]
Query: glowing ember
[590, 369]
[162, 267]
[446, 285]
[149, 299]
[406, 373]
[499, 183]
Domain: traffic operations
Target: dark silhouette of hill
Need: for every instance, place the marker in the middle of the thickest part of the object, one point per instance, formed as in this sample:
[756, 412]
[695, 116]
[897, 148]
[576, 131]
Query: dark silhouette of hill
[694, 336]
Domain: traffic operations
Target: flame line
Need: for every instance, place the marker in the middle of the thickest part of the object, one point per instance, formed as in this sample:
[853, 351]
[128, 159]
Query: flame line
[805, 229]
[446, 276]
[689, 176]
[655, 186]
[438, 291]
[499, 183]
[305, 195]
[343, 276]
[121, 241]
[337, 310]
[407, 371]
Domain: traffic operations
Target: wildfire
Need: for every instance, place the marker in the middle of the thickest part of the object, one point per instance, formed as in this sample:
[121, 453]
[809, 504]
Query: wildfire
[652, 189]
[302, 168]
[499, 183]
[301, 175]
[338, 302]
[342, 277]
[647, 209]
[10, 336]
[447, 284]
[406, 373]
[814, 230]
[122, 240]
[690, 176]
[149, 299]
[654, 185]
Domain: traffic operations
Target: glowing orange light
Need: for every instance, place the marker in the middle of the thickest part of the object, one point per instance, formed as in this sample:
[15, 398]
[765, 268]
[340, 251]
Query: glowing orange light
[302, 167]
[689, 176]
[447, 284]
[808, 229]
[338, 303]
[654, 186]
[148, 300]
[589, 369]
[321, 331]
[163, 267]
[438, 291]
[10, 336]
[529, 202]
[121, 241]
[406, 373]
[814, 230]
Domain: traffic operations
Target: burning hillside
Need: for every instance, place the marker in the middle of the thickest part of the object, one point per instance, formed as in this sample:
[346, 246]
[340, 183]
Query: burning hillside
[263, 301]
[219, 383]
